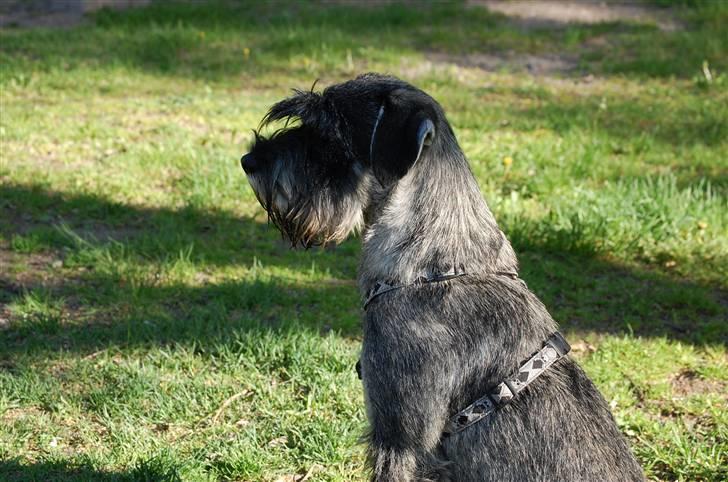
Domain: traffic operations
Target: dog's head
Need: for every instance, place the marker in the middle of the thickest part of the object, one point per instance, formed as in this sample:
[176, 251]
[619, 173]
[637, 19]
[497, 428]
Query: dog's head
[314, 176]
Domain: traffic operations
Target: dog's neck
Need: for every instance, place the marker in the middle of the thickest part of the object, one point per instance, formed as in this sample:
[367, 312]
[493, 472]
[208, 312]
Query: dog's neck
[433, 219]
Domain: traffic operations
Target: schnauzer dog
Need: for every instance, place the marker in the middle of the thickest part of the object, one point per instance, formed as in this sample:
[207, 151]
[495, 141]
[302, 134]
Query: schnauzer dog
[465, 376]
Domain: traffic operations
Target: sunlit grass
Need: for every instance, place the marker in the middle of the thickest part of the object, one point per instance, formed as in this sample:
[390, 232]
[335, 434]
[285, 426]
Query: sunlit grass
[153, 327]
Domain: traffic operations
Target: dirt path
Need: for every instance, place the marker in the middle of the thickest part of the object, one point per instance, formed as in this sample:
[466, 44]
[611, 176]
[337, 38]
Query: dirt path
[554, 12]
[54, 13]
[67, 13]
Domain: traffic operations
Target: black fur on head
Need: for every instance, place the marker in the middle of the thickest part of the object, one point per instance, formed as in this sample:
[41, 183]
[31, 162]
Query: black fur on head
[314, 175]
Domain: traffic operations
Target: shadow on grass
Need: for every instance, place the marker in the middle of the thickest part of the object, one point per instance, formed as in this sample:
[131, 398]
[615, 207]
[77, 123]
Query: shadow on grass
[116, 291]
[148, 470]
[52, 220]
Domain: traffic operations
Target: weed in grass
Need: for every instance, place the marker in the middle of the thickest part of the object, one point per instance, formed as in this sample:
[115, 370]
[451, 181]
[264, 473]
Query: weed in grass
[25, 244]
[38, 310]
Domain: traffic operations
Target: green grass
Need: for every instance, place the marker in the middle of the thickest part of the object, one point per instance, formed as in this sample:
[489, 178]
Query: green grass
[153, 327]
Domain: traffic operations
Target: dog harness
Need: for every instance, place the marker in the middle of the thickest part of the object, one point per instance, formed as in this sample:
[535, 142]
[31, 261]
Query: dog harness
[381, 287]
[554, 348]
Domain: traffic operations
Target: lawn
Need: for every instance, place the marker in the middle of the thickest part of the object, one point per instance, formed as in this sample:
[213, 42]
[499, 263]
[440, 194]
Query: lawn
[154, 327]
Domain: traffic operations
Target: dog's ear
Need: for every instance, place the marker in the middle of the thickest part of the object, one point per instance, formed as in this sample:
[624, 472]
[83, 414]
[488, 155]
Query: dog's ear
[403, 128]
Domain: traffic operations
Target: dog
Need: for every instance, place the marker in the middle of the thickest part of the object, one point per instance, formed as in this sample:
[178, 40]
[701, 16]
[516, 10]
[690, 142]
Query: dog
[465, 375]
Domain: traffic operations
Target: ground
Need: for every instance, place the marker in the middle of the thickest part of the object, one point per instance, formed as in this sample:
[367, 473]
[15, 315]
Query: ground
[153, 327]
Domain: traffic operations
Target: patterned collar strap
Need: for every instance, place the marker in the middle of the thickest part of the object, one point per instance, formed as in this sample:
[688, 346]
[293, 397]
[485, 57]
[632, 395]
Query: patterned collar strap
[555, 348]
[381, 287]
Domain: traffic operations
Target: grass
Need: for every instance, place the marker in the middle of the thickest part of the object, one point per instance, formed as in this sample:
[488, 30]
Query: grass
[152, 327]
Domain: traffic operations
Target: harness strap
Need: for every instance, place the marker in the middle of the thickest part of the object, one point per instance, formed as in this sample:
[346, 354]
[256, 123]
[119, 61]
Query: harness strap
[555, 348]
[381, 287]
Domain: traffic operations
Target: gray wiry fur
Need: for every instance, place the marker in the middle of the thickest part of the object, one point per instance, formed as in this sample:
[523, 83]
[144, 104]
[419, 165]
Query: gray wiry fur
[432, 349]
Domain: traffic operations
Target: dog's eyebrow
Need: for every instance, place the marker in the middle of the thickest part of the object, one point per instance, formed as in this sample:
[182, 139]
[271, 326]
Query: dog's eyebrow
[374, 131]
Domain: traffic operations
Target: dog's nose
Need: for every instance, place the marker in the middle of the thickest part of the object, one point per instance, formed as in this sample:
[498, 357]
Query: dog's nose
[249, 163]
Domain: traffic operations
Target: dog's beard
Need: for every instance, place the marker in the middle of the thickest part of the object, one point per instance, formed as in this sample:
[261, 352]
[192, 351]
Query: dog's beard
[307, 222]
[305, 225]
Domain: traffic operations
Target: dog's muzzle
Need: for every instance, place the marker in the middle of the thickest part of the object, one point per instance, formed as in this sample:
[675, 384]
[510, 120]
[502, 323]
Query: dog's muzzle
[249, 163]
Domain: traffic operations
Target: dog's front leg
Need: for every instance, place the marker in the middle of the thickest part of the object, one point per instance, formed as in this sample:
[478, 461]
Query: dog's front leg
[406, 385]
